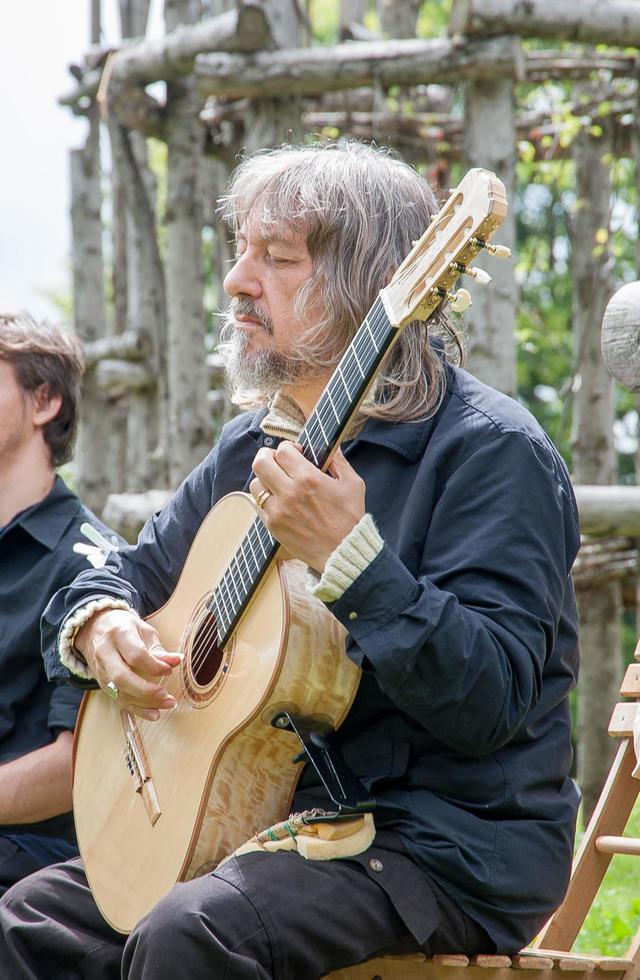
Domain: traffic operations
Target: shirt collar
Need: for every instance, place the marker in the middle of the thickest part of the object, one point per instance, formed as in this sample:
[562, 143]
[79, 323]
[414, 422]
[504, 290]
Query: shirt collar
[284, 419]
[47, 520]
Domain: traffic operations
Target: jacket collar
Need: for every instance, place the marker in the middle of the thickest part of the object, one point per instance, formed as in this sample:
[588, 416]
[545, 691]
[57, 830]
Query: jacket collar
[407, 439]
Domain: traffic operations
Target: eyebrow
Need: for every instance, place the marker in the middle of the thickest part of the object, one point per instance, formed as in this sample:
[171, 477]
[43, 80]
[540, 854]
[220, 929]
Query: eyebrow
[271, 239]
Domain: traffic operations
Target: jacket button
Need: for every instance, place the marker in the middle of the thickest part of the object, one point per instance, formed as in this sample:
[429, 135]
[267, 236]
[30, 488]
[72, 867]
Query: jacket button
[353, 615]
[376, 865]
[268, 441]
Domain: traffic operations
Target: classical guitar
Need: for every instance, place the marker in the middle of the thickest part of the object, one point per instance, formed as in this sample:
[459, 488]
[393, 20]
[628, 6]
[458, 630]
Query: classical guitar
[161, 802]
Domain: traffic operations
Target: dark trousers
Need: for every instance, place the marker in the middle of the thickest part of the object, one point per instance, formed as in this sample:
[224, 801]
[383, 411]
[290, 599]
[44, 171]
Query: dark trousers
[15, 864]
[259, 917]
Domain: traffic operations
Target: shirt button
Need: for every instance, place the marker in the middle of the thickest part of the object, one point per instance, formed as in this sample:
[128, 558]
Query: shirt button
[353, 615]
[376, 865]
[268, 441]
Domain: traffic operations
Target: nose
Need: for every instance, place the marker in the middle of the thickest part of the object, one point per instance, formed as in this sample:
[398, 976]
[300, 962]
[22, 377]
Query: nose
[242, 278]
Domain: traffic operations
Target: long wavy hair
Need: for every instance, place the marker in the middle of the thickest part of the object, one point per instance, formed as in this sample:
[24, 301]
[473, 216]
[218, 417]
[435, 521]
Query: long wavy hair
[361, 209]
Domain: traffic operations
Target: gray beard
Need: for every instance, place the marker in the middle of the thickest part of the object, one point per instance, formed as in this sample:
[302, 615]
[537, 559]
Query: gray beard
[263, 371]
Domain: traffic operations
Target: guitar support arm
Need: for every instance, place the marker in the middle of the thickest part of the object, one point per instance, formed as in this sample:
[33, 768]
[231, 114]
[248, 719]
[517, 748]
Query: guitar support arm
[319, 748]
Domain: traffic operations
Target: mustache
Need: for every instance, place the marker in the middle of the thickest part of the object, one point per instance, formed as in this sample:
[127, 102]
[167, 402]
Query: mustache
[246, 307]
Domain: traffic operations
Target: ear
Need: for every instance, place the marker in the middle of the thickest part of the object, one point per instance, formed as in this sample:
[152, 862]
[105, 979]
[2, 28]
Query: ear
[45, 405]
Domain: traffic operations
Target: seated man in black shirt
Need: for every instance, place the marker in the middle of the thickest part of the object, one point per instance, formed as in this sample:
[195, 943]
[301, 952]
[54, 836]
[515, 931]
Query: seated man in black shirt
[441, 539]
[40, 518]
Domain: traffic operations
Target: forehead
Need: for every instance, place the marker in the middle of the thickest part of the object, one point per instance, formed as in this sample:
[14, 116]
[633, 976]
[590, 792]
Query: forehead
[260, 224]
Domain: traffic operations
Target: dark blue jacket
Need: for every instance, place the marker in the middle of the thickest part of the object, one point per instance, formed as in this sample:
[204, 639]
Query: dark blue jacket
[465, 627]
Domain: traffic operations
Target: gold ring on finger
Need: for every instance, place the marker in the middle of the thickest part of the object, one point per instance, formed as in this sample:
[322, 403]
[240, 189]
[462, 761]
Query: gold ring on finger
[262, 498]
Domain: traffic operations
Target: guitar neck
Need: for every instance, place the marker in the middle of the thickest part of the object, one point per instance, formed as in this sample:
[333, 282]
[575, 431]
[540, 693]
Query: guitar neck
[335, 409]
[347, 386]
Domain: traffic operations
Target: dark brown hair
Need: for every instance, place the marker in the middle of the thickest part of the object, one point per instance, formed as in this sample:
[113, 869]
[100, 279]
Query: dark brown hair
[44, 354]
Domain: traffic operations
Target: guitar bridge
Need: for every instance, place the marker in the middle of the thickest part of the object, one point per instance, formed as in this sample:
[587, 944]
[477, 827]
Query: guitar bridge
[138, 766]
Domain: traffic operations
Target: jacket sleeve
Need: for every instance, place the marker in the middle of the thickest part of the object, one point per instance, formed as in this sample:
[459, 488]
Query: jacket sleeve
[144, 575]
[461, 647]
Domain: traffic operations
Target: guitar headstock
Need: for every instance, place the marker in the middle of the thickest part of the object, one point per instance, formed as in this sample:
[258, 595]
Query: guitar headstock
[473, 212]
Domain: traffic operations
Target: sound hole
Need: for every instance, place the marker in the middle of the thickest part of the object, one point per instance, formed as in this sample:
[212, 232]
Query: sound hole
[206, 655]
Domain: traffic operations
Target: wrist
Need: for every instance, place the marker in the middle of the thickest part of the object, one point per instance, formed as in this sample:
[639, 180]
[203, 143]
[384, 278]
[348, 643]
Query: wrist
[72, 655]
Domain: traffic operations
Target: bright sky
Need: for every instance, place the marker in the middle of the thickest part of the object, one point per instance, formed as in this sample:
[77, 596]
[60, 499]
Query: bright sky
[38, 39]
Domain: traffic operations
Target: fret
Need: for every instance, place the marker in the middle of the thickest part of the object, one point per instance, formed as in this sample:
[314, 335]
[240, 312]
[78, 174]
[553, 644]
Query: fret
[353, 351]
[339, 372]
[253, 554]
[317, 415]
[373, 339]
[229, 575]
[328, 393]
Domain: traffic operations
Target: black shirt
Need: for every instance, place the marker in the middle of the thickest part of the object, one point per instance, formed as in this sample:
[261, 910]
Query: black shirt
[465, 626]
[36, 559]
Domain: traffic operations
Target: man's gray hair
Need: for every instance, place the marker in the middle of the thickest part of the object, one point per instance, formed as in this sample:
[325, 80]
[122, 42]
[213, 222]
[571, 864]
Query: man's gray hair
[361, 209]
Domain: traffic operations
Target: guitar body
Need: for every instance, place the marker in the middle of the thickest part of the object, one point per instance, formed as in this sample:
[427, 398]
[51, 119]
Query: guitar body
[161, 802]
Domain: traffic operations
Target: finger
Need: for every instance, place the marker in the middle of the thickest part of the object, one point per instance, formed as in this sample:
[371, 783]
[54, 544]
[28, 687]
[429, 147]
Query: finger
[132, 688]
[269, 472]
[340, 468]
[165, 660]
[139, 646]
[289, 458]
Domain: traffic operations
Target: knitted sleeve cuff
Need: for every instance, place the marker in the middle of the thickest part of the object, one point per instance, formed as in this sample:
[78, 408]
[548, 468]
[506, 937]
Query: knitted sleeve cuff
[69, 656]
[350, 558]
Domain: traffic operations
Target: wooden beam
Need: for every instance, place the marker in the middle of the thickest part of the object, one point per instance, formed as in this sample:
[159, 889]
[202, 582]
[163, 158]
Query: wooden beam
[169, 57]
[587, 21]
[310, 71]
[129, 346]
[608, 510]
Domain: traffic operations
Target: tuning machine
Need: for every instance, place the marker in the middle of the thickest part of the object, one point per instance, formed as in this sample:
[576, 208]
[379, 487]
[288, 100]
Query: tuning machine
[497, 251]
[460, 300]
[481, 276]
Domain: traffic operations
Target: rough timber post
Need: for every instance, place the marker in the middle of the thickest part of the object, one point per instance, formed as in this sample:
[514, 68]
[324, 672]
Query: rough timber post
[143, 465]
[398, 18]
[188, 424]
[491, 322]
[89, 303]
[276, 120]
[593, 454]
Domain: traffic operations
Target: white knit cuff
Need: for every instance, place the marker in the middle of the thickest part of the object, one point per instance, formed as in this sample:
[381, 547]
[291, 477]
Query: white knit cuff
[350, 558]
[69, 656]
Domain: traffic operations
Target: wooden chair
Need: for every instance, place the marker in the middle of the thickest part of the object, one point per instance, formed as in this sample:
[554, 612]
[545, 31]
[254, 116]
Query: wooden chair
[549, 957]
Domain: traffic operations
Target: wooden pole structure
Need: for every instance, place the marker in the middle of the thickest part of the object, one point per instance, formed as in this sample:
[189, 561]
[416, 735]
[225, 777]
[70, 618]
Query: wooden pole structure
[189, 428]
[593, 455]
[89, 313]
[586, 21]
[491, 322]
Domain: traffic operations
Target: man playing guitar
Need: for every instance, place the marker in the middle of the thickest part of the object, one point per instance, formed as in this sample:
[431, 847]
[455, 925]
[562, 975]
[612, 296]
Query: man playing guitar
[441, 537]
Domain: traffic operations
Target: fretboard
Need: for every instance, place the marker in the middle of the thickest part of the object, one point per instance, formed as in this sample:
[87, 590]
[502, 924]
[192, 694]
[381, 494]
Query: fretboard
[322, 431]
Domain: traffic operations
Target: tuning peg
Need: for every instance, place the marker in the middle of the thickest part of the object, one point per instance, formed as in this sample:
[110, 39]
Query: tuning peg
[460, 301]
[481, 276]
[498, 251]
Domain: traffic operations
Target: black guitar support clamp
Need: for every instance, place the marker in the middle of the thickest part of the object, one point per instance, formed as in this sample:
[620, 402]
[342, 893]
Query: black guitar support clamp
[320, 749]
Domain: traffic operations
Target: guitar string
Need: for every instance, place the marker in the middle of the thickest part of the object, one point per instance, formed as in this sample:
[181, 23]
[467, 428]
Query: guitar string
[209, 638]
[349, 372]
